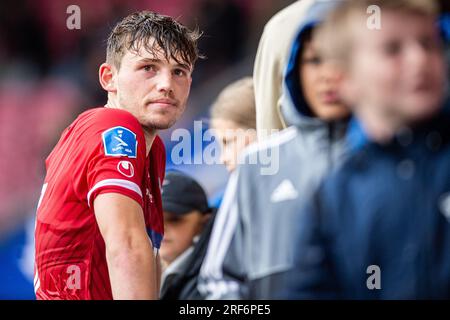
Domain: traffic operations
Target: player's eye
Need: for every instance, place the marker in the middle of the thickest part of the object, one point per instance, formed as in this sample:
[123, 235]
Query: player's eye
[149, 67]
[179, 72]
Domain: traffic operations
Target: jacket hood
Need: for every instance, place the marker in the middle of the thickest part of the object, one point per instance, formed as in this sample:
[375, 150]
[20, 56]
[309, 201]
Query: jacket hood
[294, 107]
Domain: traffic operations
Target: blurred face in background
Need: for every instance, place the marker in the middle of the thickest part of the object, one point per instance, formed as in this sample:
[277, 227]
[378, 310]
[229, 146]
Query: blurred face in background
[179, 232]
[319, 81]
[232, 138]
[397, 73]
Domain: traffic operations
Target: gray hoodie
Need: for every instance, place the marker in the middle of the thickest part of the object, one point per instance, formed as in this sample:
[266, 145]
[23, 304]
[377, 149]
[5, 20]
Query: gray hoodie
[251, 247]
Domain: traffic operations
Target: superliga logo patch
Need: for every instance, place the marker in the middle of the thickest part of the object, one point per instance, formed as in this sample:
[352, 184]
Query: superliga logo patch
[120, 142]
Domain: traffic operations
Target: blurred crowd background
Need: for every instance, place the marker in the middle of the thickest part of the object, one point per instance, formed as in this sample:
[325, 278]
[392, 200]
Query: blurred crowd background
[49, 74]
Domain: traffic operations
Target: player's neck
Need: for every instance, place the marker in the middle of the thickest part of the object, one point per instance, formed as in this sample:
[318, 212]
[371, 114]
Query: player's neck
[112, 102]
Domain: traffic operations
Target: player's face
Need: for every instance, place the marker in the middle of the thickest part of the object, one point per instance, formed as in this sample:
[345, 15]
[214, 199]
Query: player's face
[320, 85]
[153, 89]
[232, 139]
[179, 232]
[398, 71]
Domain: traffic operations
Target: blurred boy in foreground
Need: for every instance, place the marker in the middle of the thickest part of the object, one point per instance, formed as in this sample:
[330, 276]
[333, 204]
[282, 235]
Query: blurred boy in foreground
[378, 228]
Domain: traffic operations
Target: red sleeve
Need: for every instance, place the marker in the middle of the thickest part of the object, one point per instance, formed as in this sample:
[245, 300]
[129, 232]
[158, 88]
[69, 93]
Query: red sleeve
[117, 163]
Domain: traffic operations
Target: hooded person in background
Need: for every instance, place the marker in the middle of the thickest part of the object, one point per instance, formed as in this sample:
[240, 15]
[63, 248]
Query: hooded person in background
[249, 257]
[187, 226]
[271, 58]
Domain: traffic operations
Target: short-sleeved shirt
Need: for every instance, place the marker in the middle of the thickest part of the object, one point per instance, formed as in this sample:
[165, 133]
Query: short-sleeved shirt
[102, 151]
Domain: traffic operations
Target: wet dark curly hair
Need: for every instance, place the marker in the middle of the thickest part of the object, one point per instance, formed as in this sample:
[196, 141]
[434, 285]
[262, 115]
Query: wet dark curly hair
[155, 32]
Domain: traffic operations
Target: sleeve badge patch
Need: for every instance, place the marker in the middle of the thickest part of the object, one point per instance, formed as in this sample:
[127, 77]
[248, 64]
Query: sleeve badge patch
[120, 142]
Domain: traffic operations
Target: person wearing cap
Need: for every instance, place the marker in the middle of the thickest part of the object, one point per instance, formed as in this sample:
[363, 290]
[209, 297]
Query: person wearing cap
[187, 226]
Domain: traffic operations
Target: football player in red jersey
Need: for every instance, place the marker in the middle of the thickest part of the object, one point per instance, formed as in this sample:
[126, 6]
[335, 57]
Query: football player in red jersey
[99, 219]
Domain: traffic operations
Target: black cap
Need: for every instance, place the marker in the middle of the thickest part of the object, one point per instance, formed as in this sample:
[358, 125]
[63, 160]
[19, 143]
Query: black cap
[181, 194]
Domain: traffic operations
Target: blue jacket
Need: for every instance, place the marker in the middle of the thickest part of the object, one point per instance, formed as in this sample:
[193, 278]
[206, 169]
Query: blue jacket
[387, 206]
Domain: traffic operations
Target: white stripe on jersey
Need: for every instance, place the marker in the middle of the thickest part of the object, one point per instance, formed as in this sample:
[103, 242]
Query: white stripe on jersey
[115, 182]
[37, 282]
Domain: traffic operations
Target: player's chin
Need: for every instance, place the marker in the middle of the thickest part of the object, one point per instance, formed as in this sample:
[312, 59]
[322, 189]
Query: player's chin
[161, 122]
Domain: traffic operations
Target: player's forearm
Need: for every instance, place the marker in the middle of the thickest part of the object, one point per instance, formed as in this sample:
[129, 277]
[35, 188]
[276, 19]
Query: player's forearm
[132, 272]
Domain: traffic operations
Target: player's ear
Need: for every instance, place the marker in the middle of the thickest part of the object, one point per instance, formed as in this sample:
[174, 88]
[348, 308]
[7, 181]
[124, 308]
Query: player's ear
[106, 74]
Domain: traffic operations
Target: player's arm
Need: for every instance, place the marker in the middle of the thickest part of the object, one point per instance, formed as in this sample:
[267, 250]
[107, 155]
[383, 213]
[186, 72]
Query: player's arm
[129, 253]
